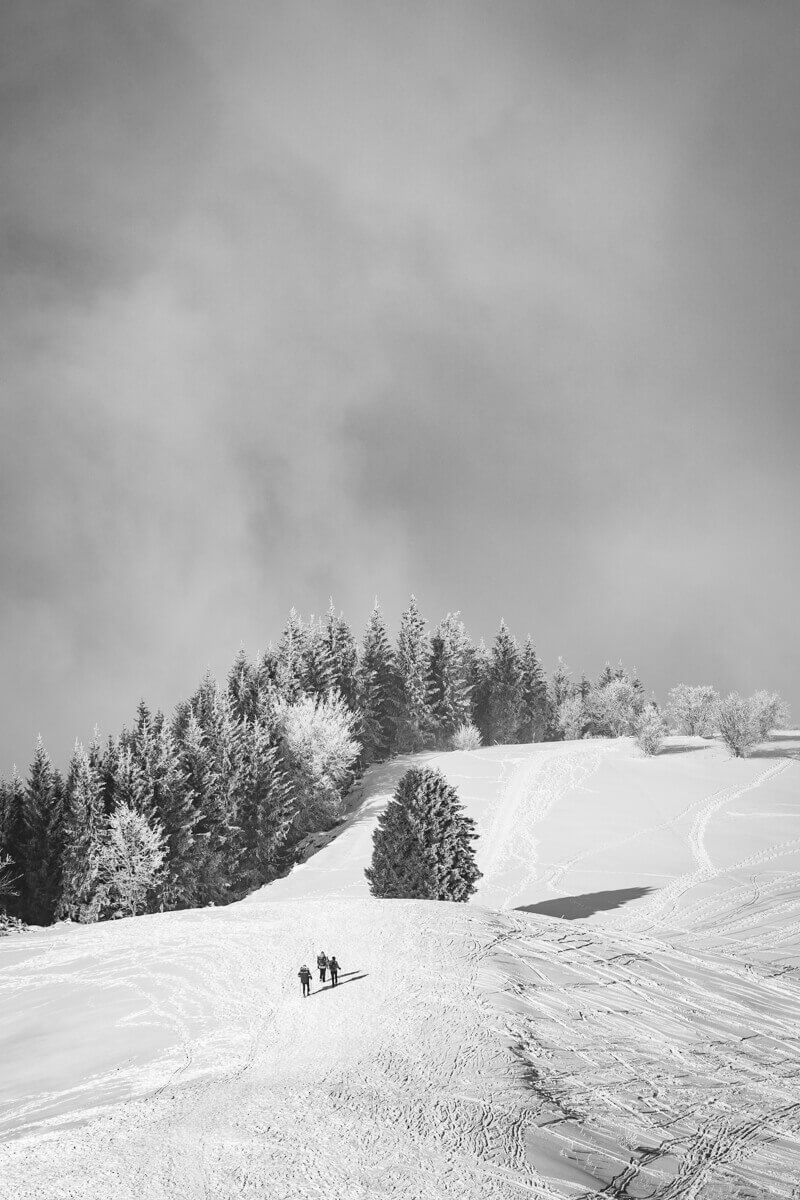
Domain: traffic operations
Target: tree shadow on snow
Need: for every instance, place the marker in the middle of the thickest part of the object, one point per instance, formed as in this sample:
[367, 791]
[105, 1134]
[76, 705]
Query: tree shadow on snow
[575, 908]
[353, 978]
[780, 745]
[666, 750]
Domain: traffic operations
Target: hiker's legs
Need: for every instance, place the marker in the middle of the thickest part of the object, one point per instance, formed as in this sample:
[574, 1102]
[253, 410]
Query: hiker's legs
[306, 987]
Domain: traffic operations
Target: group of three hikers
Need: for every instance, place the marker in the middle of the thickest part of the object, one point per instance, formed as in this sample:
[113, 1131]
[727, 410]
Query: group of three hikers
[324, 964]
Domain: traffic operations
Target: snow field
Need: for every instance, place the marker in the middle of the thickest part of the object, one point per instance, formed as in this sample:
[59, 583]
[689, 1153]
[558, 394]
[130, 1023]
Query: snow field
[649, 1048]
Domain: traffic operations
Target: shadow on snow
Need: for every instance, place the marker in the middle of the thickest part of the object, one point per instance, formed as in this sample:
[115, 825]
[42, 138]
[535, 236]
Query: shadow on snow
[574, 908]
[348, 977]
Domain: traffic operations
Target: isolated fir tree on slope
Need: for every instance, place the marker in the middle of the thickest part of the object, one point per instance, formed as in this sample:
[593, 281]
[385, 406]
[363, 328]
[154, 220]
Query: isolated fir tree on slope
[422, 848]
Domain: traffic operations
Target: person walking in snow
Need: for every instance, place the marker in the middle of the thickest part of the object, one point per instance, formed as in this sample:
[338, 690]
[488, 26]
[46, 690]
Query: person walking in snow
[305, 979]
[322, 963]
[334, 970]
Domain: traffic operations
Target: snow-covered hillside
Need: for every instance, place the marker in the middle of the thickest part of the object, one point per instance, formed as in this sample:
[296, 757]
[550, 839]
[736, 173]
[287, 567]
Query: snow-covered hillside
[616, 1013]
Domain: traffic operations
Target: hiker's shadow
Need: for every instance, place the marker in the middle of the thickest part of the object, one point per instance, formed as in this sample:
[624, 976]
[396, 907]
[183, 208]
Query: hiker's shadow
[345, 977]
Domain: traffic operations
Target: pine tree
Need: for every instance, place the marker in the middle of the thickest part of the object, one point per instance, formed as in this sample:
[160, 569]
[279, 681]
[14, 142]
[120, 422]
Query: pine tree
[422, 848]
[560, 689]
[266, 807]
[343, 655]
[413, 712]
[243, 688]
[480, 689]
[291, 658]
[43, 813]
[177, 809]
[82, 828]
[449, 676]
[534, 696]
[505, 687]
[319, 674]
[376, 686]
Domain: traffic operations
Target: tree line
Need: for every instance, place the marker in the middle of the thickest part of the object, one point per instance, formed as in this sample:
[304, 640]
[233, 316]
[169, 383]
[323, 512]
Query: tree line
[206, 805]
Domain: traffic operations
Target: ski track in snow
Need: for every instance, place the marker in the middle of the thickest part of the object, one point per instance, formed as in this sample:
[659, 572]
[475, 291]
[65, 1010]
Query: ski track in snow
[468, 1052]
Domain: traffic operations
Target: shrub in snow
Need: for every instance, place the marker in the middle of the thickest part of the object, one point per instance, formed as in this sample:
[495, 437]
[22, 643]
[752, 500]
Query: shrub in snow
[317, 734]
[422, 848]
[650, 730]
[129, 858]
[571, 717]
[770, 712]
[737, 722]
[8, 879]
[467, 737]
[692, 711]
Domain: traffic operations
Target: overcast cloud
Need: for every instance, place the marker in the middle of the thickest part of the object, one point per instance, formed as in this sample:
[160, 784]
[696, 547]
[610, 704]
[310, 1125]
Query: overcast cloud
[496, 303]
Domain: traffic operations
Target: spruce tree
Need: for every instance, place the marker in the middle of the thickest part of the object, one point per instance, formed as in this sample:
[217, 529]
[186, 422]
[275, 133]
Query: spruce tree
[505, 687]
[479, 679]
[413, 712]
[559, 690]
[422, 848]
[83, 825]
[343, 655]
[376, 686]
[266, 807]
[533, 686]
[319, 674]
[43, 812]
[450, 678]
[291, 658]
[243, 688]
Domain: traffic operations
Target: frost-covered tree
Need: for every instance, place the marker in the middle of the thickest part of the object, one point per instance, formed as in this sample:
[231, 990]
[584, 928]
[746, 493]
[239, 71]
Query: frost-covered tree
[318, 738]
[376, 688]
[559, 689]
[449, 677]
[85, 817]
[505, 687]
[533, 684]
[244, 689]
[614, 708]
[737, 722]
[291, 658]
[479, 679]
[266, 806]
[650, 729]
[423, 846]
[130, 854]
[770, 711]
[571, 717]
[343, 655]
[692, 710]
[412, 703]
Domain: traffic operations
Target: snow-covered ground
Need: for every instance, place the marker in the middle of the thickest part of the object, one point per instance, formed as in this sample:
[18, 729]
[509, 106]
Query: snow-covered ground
[616, 1013]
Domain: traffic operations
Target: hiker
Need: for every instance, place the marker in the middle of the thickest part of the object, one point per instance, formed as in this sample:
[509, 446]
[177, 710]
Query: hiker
[334, 970]
[305, 979]
[322, 963]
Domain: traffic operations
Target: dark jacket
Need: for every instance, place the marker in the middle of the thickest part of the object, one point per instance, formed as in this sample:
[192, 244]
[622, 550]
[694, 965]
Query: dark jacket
[333, 964]
[304, 974]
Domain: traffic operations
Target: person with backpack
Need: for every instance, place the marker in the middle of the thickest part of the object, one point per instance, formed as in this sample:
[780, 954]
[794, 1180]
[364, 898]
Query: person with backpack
[305, 979]
[322, 963]
[334, 970]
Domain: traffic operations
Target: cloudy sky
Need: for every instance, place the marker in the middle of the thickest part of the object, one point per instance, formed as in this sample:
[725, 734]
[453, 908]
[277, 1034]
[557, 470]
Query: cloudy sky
[492, 302]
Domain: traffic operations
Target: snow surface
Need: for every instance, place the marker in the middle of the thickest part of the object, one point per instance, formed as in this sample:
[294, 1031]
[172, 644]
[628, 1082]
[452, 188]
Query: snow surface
[615, 1014]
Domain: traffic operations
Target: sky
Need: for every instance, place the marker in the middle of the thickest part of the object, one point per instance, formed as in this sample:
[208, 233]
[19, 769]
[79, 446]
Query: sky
[493, 303]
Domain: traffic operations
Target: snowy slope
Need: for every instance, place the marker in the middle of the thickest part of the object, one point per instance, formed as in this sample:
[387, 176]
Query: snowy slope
[648, 1047]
